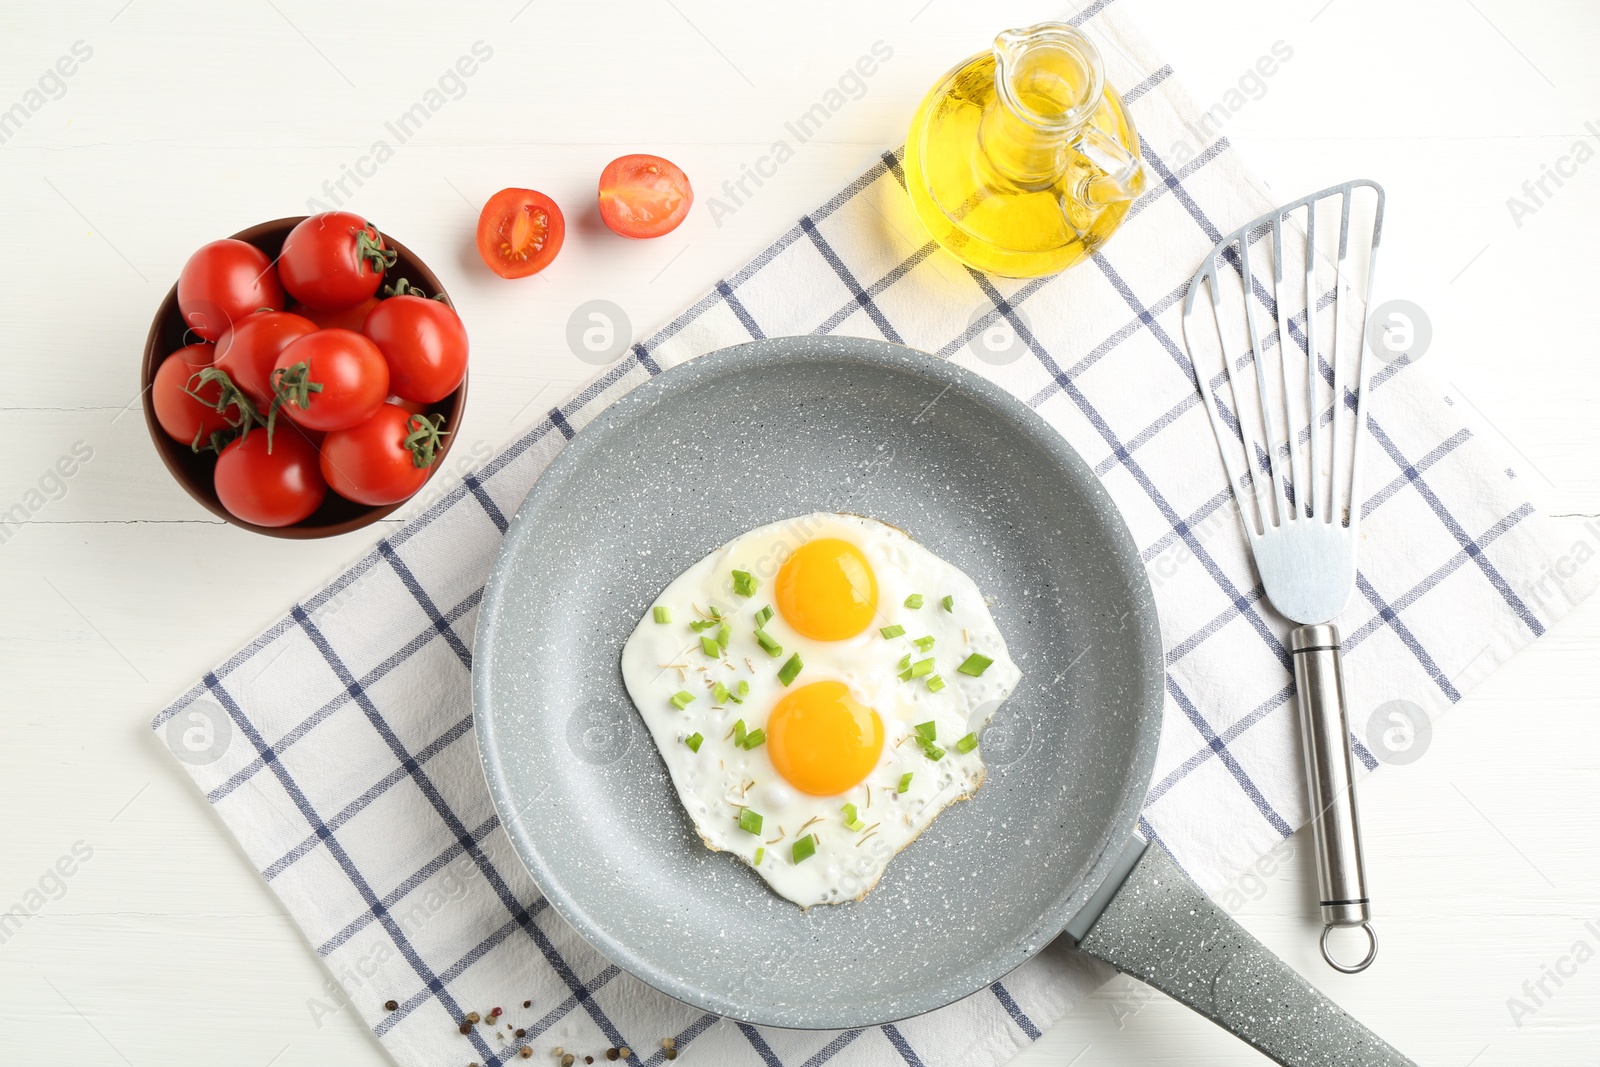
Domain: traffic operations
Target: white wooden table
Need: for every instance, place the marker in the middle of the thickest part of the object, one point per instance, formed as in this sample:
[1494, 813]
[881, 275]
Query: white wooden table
[181, 122]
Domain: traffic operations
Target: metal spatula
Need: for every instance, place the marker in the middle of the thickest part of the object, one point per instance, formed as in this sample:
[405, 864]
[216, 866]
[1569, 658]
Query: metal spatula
[1281, 368]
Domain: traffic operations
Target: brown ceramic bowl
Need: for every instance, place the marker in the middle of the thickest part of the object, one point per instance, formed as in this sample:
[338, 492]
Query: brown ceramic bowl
[194, 470]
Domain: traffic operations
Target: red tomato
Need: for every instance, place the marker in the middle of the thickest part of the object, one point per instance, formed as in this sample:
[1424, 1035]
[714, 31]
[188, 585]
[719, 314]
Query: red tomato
[182, 416]
[383, 460]
[276, 488]
[424, 343]
[644, 196]
[344, 319]
[334, 260]
[248, 351]
[224, 282]
[520, 232]
[331, 379]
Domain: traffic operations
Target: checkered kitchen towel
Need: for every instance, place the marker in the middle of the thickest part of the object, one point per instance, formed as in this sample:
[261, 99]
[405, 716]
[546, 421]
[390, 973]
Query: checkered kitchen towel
[338, 745]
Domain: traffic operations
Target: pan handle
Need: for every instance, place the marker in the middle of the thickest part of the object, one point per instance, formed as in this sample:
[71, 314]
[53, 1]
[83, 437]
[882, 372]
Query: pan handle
[1159, 927]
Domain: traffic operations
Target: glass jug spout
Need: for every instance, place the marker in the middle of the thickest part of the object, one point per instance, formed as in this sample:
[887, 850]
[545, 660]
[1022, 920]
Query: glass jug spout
[1049, 87]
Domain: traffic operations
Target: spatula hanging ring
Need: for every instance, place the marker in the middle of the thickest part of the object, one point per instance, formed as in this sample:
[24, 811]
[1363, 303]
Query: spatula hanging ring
[1350, 968]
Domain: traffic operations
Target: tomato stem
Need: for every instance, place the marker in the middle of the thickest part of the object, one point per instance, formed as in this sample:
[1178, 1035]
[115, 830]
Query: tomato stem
[293, 385]
[218, 440]
[403, 287]
[290, 385]
[423, 440]
[228, 394]
[369, 246]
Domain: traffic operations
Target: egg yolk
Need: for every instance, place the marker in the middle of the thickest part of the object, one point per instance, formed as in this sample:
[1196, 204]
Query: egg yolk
[822, 740]
[826, 590]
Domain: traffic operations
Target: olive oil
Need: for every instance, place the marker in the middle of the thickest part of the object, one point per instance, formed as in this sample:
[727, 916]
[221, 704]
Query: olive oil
[1021, 162]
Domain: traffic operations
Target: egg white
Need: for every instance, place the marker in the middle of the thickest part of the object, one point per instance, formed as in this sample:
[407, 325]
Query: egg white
[719, 780]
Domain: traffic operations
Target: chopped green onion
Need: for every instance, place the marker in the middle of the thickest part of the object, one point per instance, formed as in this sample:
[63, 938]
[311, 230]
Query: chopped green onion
[663, 613]
[699, 625]
[905, 782]
[932, 751]
[763, 616]
[920, 668]
[905, 661]
[790, 670]
[772, 647]
[739, 734]
[927, 731]
[693, 741]
[750, 821]
[914, 601]
[719, 693]
[949, 603]
[935, 683]
[892, 631]
[975, 664]
[724, 635]
[849, 811]
[682, 699]
[923, 643]
[803, 849]
[967, 744]
[741, 691]
[709, 646]
[744, 583]
[759, 853]
[754, 738]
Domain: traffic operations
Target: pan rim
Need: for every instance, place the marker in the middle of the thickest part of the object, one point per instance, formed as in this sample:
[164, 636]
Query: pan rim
[912, 1000]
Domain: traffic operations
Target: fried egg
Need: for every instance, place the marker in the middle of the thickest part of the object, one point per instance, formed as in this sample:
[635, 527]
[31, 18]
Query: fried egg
[818, 689]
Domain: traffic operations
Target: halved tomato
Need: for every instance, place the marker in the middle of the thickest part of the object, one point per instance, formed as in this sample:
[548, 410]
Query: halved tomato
[519, 232]
[644, 196]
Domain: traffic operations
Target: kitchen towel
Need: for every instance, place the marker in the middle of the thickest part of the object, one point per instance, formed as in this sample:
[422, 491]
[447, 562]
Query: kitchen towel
[338, 746]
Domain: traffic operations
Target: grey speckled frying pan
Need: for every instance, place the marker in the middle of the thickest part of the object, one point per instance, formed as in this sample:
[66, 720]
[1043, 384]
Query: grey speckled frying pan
[776, 428]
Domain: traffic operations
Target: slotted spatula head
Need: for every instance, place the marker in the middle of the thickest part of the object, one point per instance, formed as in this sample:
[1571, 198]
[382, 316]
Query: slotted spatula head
[1274, 321]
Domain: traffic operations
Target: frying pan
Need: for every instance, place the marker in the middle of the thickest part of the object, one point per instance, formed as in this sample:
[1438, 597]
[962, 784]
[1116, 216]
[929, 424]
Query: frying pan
[783, 427]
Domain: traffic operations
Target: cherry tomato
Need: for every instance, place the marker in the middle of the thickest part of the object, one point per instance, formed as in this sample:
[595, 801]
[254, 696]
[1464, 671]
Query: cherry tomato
[424, 343]
[248, 351]
[222, 283]
[644, 196]
[520, 232]
[371, 462]
[182, 416]
[276, 488]
[353, 377]
[334, 260]
[349, 318]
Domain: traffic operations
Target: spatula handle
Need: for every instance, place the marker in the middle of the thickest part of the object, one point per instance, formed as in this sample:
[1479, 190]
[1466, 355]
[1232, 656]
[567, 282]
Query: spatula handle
[1330, 778]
